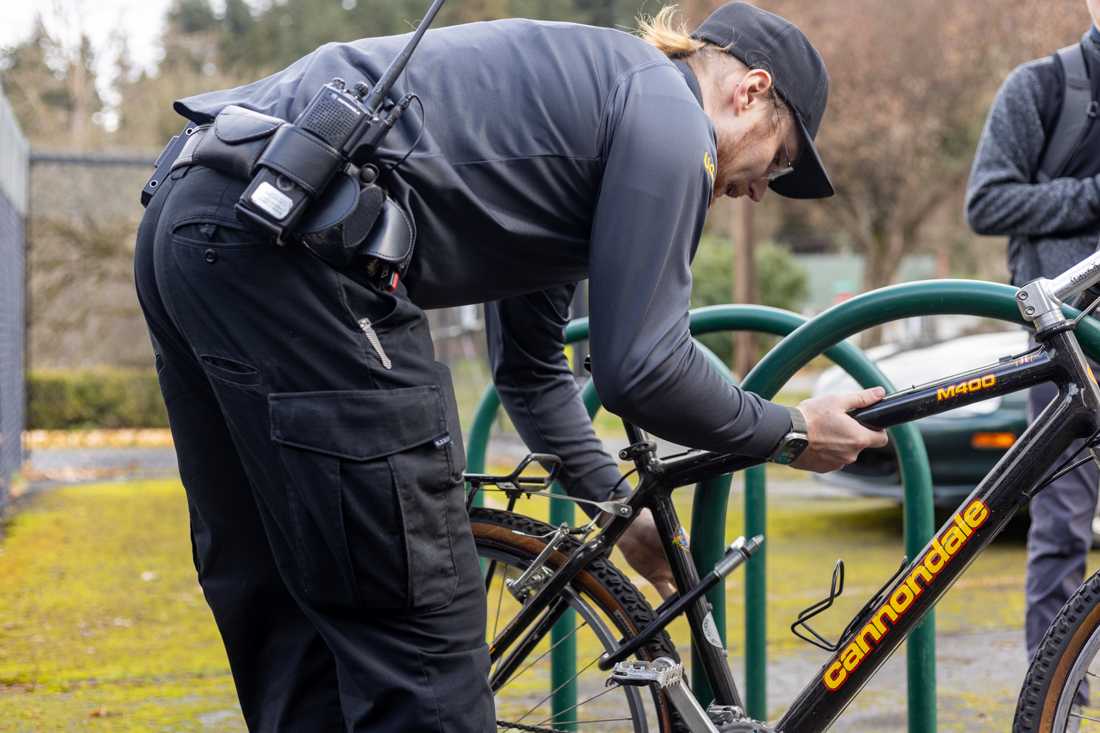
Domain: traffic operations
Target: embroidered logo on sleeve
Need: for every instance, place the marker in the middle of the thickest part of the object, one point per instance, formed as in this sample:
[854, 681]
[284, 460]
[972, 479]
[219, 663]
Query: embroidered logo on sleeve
[708, 164]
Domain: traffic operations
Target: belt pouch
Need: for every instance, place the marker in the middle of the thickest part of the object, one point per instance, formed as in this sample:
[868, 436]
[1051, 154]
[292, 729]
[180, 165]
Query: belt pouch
[342, 219]
[235, 142]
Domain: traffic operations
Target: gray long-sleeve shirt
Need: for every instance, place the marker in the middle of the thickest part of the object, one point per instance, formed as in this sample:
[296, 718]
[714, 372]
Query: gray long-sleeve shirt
[552, 152]
[1051, 225]
[526, 339]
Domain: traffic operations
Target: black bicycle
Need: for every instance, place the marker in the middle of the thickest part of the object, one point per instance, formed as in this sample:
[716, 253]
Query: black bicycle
[633, 680]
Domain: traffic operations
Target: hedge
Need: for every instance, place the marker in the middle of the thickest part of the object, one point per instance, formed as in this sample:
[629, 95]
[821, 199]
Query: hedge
[60, 399]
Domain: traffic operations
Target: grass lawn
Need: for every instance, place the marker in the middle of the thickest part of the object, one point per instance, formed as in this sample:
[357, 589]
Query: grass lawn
[103, 626]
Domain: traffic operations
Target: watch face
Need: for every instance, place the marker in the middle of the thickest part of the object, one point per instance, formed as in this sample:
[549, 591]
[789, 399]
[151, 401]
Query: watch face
[797, 445]
[792, 448]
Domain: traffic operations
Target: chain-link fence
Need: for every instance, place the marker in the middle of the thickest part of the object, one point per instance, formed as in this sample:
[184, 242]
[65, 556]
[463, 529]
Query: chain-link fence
[83, 311]
[13, 207]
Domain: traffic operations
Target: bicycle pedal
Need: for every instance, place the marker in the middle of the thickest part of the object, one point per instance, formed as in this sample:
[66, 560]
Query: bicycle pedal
[668, 676]
[662, 672]
[732, 719]
[743, 726]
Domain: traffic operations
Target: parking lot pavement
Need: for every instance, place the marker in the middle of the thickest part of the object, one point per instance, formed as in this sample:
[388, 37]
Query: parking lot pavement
[49, 467]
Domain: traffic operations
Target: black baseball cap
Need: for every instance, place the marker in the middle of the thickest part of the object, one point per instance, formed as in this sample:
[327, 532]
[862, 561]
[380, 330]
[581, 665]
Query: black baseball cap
[763, 40]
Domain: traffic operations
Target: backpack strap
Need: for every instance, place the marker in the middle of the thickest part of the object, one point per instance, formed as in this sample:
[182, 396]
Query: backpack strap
[1078, 110]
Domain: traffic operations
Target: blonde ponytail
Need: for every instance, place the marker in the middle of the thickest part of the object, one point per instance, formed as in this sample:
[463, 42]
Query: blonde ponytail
[667, 34]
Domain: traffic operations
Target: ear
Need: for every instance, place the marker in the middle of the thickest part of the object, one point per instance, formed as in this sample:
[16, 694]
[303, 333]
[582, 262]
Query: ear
[752, 90]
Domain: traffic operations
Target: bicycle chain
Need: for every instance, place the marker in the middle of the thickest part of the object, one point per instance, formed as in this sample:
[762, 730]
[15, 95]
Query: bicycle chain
[528, 728]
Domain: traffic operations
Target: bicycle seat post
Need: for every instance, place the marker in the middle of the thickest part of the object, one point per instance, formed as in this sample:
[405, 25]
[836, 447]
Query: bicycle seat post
[641, 449]
[634, 433]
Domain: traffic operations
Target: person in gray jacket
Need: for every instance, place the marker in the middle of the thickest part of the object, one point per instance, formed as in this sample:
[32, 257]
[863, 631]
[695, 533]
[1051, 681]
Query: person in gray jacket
[1052, 222]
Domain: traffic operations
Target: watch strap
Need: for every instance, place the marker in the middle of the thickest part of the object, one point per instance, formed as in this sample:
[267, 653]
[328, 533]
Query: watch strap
[798, 421]
[796, 441]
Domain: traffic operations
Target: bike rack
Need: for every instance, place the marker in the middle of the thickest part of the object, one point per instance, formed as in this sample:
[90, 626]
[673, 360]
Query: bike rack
[709, 506]
[804, 340]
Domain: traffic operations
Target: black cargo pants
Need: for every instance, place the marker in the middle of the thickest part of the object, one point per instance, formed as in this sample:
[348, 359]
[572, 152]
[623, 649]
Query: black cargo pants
[323, 476]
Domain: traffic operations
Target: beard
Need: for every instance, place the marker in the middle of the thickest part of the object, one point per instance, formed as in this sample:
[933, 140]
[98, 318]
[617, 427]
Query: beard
[734, 151]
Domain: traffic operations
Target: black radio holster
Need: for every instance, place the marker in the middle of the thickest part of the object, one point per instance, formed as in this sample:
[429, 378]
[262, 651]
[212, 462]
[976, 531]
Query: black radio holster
[350, 220]
[231, 144]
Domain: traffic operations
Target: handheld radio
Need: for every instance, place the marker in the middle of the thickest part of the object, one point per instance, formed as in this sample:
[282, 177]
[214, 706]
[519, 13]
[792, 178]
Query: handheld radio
[338, 130]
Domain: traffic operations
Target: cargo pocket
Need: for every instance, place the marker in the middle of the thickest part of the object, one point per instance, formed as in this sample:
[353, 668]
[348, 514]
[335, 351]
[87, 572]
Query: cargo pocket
[369, 477]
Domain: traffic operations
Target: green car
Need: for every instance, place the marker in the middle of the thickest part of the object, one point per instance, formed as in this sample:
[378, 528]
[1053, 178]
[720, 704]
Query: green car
[964, 443]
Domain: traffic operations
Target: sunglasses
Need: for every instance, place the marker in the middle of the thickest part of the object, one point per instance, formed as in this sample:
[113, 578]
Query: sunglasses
[781, 166]
[778, 173]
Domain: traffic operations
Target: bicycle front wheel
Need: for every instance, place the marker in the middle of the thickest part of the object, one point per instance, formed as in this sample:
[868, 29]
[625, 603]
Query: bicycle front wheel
[1056, 697]
[606, 607]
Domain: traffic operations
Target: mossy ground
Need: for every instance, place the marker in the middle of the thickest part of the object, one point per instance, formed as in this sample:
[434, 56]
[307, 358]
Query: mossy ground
[102, 623]
[103, 626]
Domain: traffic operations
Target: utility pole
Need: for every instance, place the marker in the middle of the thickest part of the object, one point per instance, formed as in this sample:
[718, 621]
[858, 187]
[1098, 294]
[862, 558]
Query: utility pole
[744, 279]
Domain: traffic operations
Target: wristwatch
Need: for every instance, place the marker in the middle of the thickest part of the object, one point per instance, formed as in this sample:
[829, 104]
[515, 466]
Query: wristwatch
[793, 443]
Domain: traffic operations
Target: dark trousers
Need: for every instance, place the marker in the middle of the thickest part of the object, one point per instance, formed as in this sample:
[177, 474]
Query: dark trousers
[1060, 534]
[323, 476]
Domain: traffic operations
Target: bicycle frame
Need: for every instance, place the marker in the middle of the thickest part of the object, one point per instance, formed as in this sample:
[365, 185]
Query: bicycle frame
[890, 616]
[887, 619]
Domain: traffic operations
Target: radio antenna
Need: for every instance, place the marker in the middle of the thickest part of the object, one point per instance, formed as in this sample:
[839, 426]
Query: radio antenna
[382, 88]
